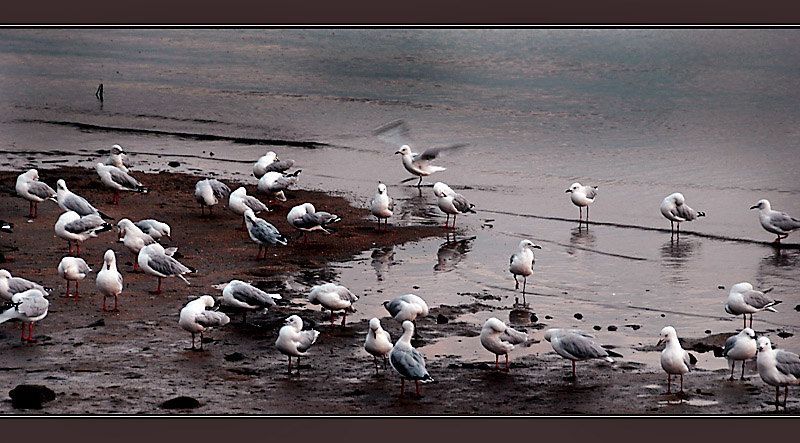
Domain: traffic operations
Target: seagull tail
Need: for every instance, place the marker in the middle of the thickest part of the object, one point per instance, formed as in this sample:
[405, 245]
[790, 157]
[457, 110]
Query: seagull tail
[184, 279]
[701, 214]
[613, 354]
[427, 379]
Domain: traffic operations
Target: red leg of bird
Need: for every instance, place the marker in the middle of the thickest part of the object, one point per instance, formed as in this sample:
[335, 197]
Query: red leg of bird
[681, 383]
[157, 291]
[497, 361]
[751, 321]
[35, 209]
[376, 364]
[331, 318]
[104, 304]
[290, 364]
[447, 222]
[524, 284]
[418, 394]
[298, 365]
[67, 294]
[305, 239]
[135, 264]
[77, 289]
[744, 321]
[785, 388]
[507, 368]
[669, 384]
[31, 214]
[743, 363]
[732, 366]
[777, 396]
[70, 247]
[516, 286]
[344, 319]
[78, 246]
[454, 221]
[580, 213]
[587, 213]
[32, 340]
[201, 340]
[23, 331]
[573, 368]
[419, 183]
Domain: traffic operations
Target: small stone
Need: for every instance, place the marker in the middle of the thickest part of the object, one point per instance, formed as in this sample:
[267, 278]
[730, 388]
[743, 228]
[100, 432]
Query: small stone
[578, 315]
[440, 319]
[31, 396]
[663, 315]
[784, 334]
[612, 328]
[634, 327]
[181, 402]
[547, 317]
[708, 331]
[597, 327]
[721, 287]
[797, 308]
[415, 287]
[174, 164]
[534, 318]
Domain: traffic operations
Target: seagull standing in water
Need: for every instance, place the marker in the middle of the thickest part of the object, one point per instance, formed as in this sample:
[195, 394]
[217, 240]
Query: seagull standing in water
[209, 192]
[118, 180]
[334, 298]
[777, 368]
[378, 342]
[743, 299]
[306, 219]
[196, 318]
[521, 263]
[500, 339]
[407, 361]
[674, 359]
[73, 269]
[29, 306]
[30, 188]
[582, 196]
[72, 227]
[109, 280]
[451, 202]
[675, 209]
[274, 183]
[271, 163]
[382, 205]
[576, 345]
[242, 296]
[293, 341]
[778, 223]
[262, 232]
[741, 346]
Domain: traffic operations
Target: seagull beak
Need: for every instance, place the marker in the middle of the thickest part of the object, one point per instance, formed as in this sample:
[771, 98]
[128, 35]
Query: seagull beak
[568, 190]
[754, 207]
[169, 237]
[398, 152]
[659, 342]
[537, 246]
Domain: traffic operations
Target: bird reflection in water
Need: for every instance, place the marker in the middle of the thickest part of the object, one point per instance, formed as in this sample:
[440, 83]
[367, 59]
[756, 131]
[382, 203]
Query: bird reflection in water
[451, 253]
[382, 258]
[580, 238]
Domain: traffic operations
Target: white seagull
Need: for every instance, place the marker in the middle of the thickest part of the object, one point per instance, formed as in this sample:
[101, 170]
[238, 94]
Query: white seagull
[582, 196]
[118, 158]
[154, 228]
[378, 342]
[521, 263]
[407, 361]
[14, 285]
[406, 307]
[69, 201]
[30, 188]
[777, 368]
[576, 345]
[334, 298]
[741, 346]
[133, 238]
[382, 205]
[743, 299]
[675, 209]
[72, 227]
[118, 180]
[28, 307]
[674, 359]
[306, 219]
[274, 183]
[239, 202]
[262, 232]
[499, 339]
[109, 280]
[778, 223]
[209, 192]
[451, 202]
[242, 296]
[271, 163]
[195, 318]
[293, 341]
[73, 269]
[154, 261]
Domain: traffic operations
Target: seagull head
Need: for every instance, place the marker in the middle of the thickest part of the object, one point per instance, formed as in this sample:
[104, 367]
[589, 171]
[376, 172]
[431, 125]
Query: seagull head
[116, 150]
[527, 244]
[762, 204]
[764, 344]
[404, 150]
[61, 184]
[381, 188]
[667, 334]
[575, 186]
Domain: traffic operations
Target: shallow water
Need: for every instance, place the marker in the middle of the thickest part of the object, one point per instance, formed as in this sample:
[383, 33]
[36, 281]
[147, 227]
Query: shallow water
[639, 113]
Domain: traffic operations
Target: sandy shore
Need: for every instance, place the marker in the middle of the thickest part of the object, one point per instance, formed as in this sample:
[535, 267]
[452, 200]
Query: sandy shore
[133, 361]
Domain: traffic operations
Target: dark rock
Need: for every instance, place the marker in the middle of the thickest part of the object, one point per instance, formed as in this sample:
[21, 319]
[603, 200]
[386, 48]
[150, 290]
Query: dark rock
[548, 317]
[181, 402]
[597, 327]
[612, 328]
[174, 164]
[797, 308]
[634, 327]
[663, 315]
[236, 356]
[100, 322]
[708, 331]
[578, 315]
[721, 287]
[441, 319]
[31, 396]
[784, 334]
[534, 318]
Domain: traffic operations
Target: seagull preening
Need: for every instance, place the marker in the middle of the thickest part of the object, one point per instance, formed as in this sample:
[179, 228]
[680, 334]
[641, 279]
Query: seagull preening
[14, 285]
[118, 158]
[777, 368]
[305, 218]
[740, 347]
[73, 269]
[582, 196]
[674, 359]
[118, 180]
[28, 307]
[262, 232]
[378, 342]
[382, 205]
[576, 345]
[154, 228]
[743, 299]
[521, 263]
[406, 307]
[239, 202]
[500, 339]
[407, 361]
[293, 341]
[69, 201]
[778, 223]
[196, 318]
[109, 280]
[133, 238]
[30, 188]
[675, 209]
[274, 183]
[242, 296]
[209, 192]
[154, 261]
[72, 227]
[334, 298]
[270, 163]
[451, 202]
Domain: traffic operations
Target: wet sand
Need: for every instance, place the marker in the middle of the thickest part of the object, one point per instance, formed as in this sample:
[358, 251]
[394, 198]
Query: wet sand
[133, 361]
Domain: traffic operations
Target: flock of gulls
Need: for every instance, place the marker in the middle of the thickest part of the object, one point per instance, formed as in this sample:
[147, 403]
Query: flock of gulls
[26, 301]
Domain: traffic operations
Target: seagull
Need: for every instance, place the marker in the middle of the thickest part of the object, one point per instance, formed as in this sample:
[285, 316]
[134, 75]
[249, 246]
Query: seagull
[778, 223]
[195, 318]
[262, 232]
[209, 192]
[406, 307]
[6, 226]
[270, 163]
[306, 218]
[14, 285]
[118, 158]
[154, 261]
[397, 132]
[777, 368]
[500, 339]
[382, 205]
[133, 238]
[274, 183]
[451, 202]
[334, 298]
[154, 228]
[238, 294]
[378, 342]
[28, 307]
[744, 300]
[521, 263]
[582, 196]
[239, 202]
[675, 209]
[69, 201]
[674, 359]
[72, 227]
[109, 280]
[407, 361]
[73, 269]
[118, 180]
[30, 188]
[292, 341]
[576, 345]
[741, 346]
